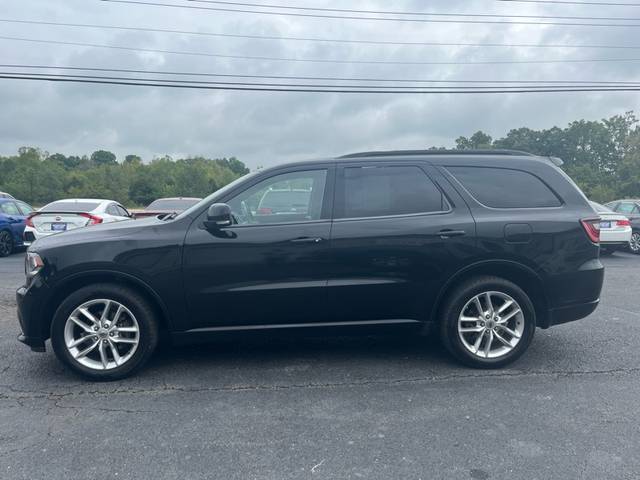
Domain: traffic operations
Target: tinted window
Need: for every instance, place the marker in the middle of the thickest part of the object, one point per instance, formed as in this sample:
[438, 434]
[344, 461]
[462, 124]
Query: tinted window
[289, 197]
[112, 210]
[627, 207]
[505, 188]
[70, 207]
[9, 208]
[372, 191]
[175, 204]
[24, 208]
[122, 211]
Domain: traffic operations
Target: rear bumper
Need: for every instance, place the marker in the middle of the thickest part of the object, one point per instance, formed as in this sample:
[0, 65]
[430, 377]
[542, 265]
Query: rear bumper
[570, 313]
[574, 295]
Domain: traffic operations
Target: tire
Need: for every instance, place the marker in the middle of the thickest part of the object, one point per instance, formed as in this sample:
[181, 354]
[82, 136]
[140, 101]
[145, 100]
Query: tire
[6, 243]
[634, 244]
[461, 301]
[132, 335]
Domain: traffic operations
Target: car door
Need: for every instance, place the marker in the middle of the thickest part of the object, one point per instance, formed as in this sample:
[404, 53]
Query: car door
[269, 267]
[14, 218]
[399, 232]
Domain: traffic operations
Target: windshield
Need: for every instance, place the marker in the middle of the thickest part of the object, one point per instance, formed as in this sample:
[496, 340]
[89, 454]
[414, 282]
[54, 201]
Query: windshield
[600, 208]
[70, 206]
[176, 204]
[221, 191]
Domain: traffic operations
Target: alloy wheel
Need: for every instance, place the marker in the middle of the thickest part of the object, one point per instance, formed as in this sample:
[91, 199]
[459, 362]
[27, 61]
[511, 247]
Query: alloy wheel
[6, 244]
[101, 334]
[491, 324]
[634, 243]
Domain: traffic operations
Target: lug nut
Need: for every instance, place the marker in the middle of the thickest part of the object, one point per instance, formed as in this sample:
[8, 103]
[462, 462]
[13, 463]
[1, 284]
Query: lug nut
[488, 317]
[111, 334]
[95, 329]
[104, 341]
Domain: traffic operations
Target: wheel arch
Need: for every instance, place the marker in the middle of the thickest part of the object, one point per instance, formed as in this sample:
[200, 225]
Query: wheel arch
[523, 276]
[74, 282]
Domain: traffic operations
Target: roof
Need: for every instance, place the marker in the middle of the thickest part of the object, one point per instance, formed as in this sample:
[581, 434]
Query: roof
[408, 153]
[96, 200]
[178, 198]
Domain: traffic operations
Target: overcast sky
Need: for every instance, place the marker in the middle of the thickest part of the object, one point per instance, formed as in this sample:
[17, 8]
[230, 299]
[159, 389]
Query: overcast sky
[263, 128]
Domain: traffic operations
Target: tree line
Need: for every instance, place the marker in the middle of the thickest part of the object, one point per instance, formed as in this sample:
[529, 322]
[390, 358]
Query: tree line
[38, 177]
[603, 157]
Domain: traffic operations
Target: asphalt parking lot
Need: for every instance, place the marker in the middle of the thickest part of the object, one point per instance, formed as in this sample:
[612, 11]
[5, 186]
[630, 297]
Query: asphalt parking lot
[374, 407]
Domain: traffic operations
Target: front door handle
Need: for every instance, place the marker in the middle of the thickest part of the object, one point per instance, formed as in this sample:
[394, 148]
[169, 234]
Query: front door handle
[307, 240]
[444, 234]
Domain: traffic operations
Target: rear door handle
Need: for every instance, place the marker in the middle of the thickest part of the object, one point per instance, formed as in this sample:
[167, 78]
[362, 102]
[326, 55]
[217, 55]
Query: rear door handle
[307, 240]
[444, 234]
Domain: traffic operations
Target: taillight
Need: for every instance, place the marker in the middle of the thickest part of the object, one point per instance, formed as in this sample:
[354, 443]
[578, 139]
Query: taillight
[29, 221]
[265, 211]
[93, 220]
[623, 223]
[592, 228]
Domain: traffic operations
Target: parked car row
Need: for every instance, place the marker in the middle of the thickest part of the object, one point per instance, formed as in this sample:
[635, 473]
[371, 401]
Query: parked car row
[21, 224]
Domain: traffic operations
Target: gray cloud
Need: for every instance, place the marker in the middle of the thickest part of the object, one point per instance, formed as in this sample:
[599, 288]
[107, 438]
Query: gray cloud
[266, 128]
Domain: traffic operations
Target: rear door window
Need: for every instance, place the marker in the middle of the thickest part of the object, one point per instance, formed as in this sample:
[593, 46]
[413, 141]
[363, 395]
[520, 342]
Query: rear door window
[378, 191]
[24, 208]
[9, 208]
[505, 188]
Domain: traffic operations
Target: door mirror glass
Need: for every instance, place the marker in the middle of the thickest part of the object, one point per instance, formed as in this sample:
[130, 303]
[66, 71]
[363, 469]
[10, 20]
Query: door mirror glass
[218, 216]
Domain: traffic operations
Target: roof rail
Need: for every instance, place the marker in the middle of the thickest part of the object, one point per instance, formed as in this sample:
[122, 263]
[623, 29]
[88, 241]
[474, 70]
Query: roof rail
[404, 153]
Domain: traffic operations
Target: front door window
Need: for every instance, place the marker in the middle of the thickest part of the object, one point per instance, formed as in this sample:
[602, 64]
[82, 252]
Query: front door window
[285, 198]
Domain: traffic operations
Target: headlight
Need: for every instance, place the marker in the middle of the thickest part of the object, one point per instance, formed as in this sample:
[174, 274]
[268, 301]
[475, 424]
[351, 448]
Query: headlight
[32, 264]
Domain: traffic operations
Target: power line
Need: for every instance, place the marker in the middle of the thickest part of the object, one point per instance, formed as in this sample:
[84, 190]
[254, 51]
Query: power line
[313, 85]
[567, 2]
[314, 39]
[353, 17]
[308, 78]
[426, 14]
[317, 60]
[103, 81]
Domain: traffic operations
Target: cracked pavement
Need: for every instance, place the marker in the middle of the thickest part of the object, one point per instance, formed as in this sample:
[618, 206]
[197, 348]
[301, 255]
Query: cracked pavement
[372, 407]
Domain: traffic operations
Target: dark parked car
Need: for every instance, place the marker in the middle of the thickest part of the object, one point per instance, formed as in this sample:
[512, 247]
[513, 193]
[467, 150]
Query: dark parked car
[165, 206]
[13, 217]
[488, 245]
[631, 210]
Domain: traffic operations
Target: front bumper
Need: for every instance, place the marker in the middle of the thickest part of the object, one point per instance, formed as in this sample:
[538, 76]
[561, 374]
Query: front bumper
[30, 316]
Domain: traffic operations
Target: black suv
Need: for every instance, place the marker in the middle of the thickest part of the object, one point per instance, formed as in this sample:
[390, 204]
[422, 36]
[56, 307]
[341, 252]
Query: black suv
[487, 245]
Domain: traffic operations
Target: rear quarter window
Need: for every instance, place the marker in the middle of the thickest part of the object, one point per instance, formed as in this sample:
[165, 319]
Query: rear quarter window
[505, 187]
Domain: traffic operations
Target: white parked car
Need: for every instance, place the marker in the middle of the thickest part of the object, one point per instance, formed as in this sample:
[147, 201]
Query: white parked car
[615, 230]
[63, 215]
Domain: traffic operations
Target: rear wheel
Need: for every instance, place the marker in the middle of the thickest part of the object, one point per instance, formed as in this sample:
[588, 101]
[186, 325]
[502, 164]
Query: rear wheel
[6, 243]
[634, 243]
[487, 322]
[104, 332]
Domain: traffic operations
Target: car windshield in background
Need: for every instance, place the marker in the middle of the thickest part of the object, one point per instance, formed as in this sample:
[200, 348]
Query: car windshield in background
[172, 204]
[600, 208]
[284, 201]
[70, 207]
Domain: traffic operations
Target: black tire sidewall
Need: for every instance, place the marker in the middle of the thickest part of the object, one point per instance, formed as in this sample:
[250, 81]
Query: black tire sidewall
[11, 243]
[135, 303]
[457, 301]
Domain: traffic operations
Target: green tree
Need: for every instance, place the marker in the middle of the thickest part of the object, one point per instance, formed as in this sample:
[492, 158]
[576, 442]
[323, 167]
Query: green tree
[103, 157]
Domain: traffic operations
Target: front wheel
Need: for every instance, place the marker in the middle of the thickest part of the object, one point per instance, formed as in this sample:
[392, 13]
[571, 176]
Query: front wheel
[104, 332]
[487, 322]
[634, 243]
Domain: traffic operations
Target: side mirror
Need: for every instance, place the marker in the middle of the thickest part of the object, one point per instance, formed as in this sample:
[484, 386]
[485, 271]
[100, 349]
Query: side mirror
[218, 216]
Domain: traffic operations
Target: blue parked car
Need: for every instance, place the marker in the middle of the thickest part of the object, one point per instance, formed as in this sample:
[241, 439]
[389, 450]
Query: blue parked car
[13, 217]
